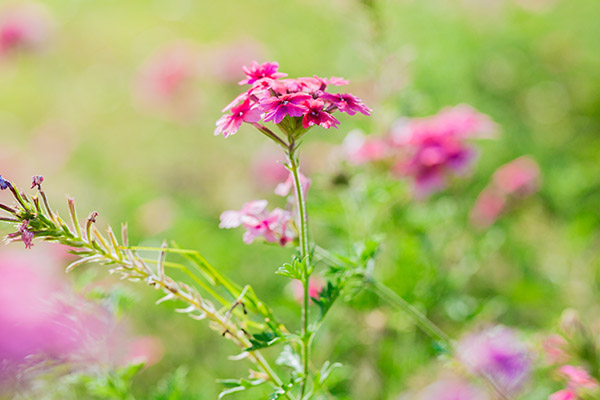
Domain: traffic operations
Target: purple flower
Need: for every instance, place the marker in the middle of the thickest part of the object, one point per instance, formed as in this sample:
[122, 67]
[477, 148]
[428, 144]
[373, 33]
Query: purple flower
[258, 71]
[277, 107]
[346, 103]
[316, 115]
[499, 354]
[229, 124]
[3, 183]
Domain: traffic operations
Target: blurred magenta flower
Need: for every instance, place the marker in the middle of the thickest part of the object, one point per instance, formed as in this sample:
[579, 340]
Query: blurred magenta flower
[497, 353]
[273, 227]
[436, 147]
[359, 149]
[23, 27]
[165, 80]
[578, 379]
[516, 179]
[554, 348]
[268, 168]
[519, 177]
[41, 319]
[314, 287]
[452, 389]
[146, 349]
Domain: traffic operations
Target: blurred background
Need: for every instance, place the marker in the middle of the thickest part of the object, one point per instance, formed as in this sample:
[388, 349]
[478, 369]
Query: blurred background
[115, 102]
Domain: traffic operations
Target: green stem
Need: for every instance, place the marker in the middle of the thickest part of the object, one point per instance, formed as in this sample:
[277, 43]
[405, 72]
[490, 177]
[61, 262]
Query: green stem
[305, 254]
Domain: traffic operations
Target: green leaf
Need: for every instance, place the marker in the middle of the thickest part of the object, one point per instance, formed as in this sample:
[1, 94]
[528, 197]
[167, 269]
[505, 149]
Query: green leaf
[295, 270]
[232, 390]
[326, 371]
[238, 385]
[262, 340]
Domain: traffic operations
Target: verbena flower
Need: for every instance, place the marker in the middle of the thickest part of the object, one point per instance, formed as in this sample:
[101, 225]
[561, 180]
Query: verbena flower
[229, 124]
[273, 227]
[258, 71]
[578, 379]
[295, 105]
[498, 353]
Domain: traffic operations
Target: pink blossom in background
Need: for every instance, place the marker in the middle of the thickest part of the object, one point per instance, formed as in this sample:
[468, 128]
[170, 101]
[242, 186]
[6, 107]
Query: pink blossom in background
[452, 389]
[577, 379]
[23, 27]
[314, 287]
[519, 177]
[488, 207]
[40, 316]
[436, 147]
[360, 149]
[499, 354]
[516, 179]
[146, 349]
[284, 189]
[268, 168]
[165, 80]
[273, 227]
[554, 349]
[227, 59]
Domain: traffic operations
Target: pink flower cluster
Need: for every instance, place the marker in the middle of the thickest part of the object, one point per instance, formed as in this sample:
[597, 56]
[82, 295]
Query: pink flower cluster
[427, 150]
[578, 379]
[497, 353]
[271, 98]
[516, 179]
[275, 226]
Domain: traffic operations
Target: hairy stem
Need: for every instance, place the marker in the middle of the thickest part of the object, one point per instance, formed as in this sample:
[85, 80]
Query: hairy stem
[305, 254]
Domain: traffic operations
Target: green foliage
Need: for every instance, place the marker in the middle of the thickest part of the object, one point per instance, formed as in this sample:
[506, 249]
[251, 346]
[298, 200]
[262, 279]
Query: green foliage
[263, 340]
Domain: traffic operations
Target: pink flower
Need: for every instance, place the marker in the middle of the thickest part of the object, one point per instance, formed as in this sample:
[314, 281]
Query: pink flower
[346, 103]
[258, 71]
[437, 146]
[146, 349]
[488, 207]
[26, 235]
[519, 177]
[283, 189]
[23, 27]
[277, 107]
[567, 394]
[499, 354]
[554, 347]
[274, 226]
[578, 377]
[360, 149]
[229, 124]
[316, 115]
[315, 285]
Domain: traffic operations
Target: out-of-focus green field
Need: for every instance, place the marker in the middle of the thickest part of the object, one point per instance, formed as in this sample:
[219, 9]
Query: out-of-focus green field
[69, 113]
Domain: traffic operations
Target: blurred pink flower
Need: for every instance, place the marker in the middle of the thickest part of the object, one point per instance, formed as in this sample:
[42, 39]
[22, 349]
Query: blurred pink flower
[488, 207]
[268, 168]
[554, 348]
[146, 349]
[451, 389]
[226, 60]
[577, 378]
[315, 285]
[499, 354]
[23, 27]
[360, 149]
[516, 179]
[519, 177]
[165, 80]
[437, 147]
[274, 226]
[283, 189]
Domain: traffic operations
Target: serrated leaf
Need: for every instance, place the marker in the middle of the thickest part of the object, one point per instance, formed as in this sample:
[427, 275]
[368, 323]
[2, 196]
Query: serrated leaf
[293, 270]
[327, 297]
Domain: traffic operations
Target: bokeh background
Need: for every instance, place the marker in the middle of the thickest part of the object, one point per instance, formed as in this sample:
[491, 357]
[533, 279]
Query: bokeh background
[115, 102]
